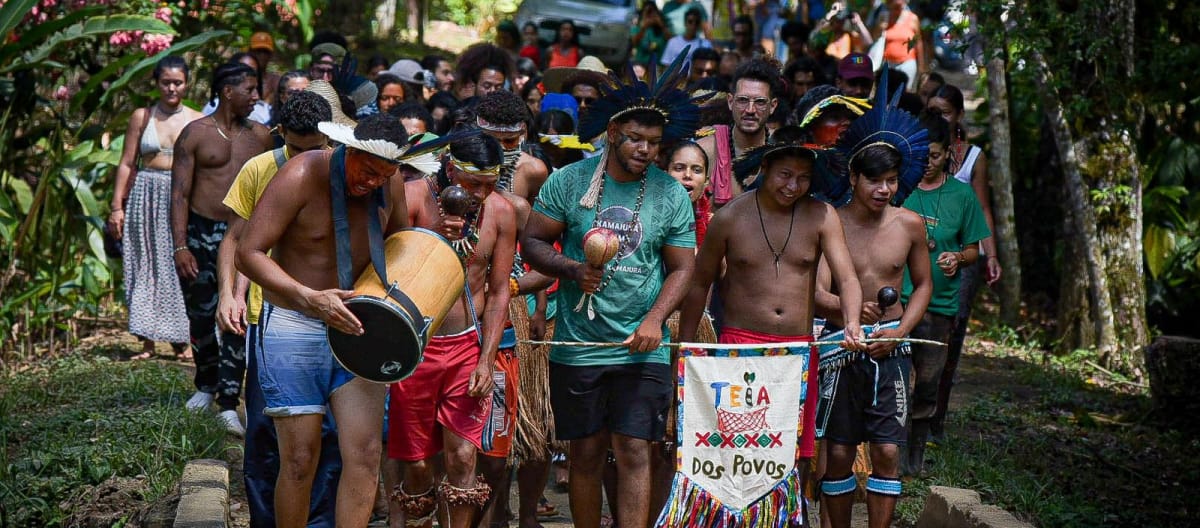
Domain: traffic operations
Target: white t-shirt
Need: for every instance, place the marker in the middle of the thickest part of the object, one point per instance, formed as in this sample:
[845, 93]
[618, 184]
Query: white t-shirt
[260, 114]
[676, 45]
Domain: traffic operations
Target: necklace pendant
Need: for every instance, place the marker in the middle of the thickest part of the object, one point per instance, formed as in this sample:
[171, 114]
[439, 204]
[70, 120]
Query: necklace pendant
[932, 245]
[777, 265]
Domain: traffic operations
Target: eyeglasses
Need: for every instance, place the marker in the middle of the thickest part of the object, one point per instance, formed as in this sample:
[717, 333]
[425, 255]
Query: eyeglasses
[742, 101]
[583, 101]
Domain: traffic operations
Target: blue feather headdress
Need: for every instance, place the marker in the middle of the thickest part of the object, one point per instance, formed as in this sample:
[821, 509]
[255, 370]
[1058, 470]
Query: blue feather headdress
[886, 124]
[663, 93]
[828, 166]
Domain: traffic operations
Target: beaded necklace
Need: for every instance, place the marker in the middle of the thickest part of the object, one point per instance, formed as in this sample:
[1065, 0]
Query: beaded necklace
[936, 213]
[624, 233]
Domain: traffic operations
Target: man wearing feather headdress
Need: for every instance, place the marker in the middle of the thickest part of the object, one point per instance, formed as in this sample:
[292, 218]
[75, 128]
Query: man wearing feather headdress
[617, 396]
[314, 255]
[864, 395]
[444, 411]
[769, 241]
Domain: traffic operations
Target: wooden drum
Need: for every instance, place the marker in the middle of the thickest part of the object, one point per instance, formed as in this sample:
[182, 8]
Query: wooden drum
[398, 319]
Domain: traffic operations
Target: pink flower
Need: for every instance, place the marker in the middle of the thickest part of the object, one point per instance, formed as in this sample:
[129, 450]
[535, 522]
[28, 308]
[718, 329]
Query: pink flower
[62, 94]
[153, 43]
[163, 13]
[120, 38]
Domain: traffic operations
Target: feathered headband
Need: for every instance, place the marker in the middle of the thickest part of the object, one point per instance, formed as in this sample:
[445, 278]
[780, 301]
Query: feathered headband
[887, 124]
[828, 166]
[857, 106]
[420, 156]
[663, 93]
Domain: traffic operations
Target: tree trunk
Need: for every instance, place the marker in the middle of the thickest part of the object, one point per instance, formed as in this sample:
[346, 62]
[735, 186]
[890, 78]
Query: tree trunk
[1083, 229]
[418, 10]
[385, 16]
[1000, 175]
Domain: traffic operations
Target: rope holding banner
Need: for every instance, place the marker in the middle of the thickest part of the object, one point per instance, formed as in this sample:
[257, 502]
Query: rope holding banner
[711, 346]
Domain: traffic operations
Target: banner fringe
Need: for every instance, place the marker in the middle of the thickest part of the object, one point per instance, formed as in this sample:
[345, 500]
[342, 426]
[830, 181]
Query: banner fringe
[690, 506]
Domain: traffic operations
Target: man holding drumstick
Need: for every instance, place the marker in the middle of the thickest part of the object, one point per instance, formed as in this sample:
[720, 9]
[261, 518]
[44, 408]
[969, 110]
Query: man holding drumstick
[294, 220]
[616, 396]
[444, 406]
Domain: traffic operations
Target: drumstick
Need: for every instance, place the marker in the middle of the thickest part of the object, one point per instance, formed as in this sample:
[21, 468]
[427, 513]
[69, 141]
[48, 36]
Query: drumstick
[600, 245]
[793, 344]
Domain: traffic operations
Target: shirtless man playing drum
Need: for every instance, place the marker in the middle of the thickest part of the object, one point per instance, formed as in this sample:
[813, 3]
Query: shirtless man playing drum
[299, 376]
[444, 406]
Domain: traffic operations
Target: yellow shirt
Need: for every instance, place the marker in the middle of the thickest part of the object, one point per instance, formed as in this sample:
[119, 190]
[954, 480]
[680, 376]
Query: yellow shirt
[245, 192]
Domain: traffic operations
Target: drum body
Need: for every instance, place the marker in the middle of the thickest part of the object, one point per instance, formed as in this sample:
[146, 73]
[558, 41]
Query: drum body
[426, 278]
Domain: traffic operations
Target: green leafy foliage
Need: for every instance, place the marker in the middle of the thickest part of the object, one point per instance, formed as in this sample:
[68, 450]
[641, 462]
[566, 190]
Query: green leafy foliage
[69, 74]
[79, 420]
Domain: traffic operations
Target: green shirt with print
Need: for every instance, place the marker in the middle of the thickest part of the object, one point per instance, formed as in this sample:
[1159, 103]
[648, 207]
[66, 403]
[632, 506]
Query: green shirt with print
[638, 271]
[953, 220]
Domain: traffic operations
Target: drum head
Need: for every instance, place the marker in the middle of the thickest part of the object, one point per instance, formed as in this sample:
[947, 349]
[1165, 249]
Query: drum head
[390, 348]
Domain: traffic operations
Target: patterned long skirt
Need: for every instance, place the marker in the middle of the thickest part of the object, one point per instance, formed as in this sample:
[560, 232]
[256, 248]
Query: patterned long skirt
[152, 289]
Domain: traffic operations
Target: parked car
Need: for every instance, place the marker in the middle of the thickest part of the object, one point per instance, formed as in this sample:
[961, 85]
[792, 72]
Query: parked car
[603, 25]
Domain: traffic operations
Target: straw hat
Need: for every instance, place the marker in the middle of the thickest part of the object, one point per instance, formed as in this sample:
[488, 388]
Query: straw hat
[326, 91]
[554, 78]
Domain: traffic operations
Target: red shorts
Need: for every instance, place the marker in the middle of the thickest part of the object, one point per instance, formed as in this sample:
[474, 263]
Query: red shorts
[808, 413]
[435, 396]
[503, 410]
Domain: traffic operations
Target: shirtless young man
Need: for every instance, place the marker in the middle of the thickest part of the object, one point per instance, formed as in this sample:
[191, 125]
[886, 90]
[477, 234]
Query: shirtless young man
[302, 296]
[443, 407]
[208, 155]
[770, 241]
[298, 119]
[863, 395]
[756, 86]
[502, 115]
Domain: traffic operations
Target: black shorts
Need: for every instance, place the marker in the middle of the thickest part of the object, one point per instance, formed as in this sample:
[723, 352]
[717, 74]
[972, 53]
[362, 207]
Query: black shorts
[626, 399]
[857, 408]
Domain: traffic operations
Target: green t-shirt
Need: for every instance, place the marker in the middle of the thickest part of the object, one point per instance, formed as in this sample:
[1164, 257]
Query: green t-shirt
[666, 219]
[953, 219]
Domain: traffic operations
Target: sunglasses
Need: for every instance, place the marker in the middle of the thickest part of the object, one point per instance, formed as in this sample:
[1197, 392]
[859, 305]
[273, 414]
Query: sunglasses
[585, 100]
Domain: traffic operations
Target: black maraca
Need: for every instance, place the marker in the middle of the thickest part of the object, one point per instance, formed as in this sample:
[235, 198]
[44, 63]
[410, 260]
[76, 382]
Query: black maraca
[456, 201]
[887, 296]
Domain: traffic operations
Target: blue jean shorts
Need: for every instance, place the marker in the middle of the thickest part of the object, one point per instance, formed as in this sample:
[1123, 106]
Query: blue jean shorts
[296, 368]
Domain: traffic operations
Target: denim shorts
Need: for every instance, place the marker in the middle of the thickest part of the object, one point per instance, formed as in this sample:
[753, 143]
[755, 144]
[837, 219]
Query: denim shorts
[296, 368]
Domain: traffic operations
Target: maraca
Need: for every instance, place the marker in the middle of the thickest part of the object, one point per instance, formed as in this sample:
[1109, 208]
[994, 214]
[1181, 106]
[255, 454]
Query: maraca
[600, 245]
[456, 201]
[887, 297]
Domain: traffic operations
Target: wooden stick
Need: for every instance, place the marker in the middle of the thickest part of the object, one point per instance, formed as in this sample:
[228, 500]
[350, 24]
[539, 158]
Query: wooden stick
[717, 346]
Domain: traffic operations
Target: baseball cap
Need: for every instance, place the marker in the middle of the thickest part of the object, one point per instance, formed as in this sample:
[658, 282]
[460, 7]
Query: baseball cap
[329, 48]
[856, 66]
[262, 40]
[409, 71]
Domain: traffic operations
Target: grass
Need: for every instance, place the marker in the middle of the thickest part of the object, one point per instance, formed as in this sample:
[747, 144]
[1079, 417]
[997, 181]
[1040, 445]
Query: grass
[76, 421]
[1047, 439]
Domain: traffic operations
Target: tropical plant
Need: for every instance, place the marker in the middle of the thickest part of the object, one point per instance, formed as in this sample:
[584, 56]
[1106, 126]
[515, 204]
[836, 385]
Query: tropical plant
[70, 75]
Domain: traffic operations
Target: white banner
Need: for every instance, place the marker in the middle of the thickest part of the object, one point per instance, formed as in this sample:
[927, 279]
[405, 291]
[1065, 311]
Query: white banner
[740, 422]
